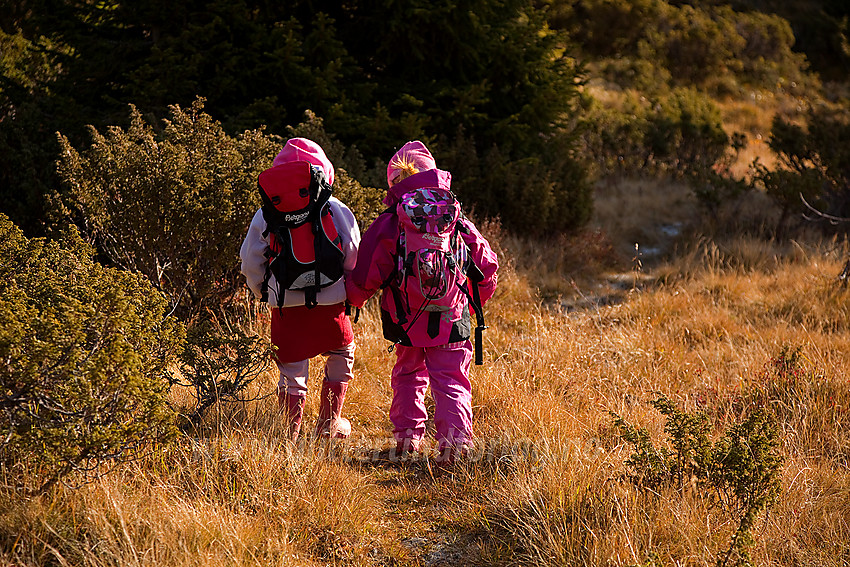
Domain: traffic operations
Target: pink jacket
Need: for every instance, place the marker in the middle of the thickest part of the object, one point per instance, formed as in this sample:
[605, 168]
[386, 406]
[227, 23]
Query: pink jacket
[376, 263]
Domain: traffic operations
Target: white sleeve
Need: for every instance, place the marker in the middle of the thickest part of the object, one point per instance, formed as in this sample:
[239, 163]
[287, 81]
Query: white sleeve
[253, 254]
[349, 232]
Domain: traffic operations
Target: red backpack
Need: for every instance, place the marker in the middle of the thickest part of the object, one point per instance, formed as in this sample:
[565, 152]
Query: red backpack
[305, 250]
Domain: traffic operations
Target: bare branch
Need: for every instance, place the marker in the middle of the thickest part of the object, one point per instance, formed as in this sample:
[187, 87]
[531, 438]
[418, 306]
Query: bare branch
[832, 219]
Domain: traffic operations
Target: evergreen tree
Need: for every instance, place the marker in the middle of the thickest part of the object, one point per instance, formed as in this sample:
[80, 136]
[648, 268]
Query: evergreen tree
[378, 73]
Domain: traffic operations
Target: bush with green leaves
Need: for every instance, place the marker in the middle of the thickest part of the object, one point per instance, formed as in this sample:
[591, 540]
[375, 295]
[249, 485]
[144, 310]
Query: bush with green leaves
[787, 189]
[685, 131]
[741, 469]
[654, 45]
[173, 205]
[217, 365]
[814, 155]
[677, 133]
[493, 67]
[547, 193]
[84, 356]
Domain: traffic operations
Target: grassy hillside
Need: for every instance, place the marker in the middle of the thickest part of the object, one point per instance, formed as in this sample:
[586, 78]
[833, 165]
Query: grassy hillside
[654, 297]
[578, 329]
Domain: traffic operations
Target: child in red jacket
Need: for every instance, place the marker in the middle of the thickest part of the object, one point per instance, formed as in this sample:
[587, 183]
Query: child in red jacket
[299, 332]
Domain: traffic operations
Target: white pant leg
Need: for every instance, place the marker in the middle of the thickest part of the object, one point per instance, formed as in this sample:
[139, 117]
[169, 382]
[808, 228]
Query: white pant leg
[293, 377]
[340, 362]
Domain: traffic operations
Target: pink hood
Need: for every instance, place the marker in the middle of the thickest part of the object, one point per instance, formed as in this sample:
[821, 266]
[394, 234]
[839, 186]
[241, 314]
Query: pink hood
[302, 149]
[416, 152]
[429, 178]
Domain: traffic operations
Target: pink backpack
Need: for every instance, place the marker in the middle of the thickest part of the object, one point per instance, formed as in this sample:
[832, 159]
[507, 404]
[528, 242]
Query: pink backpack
[433, 264]
[433, 258]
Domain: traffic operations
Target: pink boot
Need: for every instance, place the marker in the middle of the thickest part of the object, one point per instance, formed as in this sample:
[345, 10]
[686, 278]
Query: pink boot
[407, 448]
[329, 423]
[293, 408]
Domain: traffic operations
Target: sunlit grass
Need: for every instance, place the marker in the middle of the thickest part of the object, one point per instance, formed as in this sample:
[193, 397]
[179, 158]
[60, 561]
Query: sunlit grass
[545, 486]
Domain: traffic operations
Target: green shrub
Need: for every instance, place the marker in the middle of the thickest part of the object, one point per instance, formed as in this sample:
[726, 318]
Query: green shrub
[698, 45]
[815, 160]
[653, 45]
[641, 71]
[747, 471]
[679, 133]
[786, 187]
[685, 131]
[615, 136]
[741, 468]
[217, 364]
[767, 55]
[494, 67]
[612, 27]
[84, 352]
[547, 193]
[173, 205]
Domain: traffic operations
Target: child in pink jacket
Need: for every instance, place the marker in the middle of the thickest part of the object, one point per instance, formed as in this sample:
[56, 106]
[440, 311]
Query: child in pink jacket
[433, 349]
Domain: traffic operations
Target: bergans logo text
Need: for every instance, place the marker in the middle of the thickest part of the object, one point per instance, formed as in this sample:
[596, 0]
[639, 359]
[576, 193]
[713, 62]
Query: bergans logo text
[295, 218]
[433, 238]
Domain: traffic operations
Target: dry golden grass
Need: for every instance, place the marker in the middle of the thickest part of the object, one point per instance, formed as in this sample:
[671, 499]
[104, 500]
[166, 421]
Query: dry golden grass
[577, 330]
[752, 117]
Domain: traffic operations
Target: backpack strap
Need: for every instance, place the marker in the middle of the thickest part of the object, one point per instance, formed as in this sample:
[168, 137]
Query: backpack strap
[286, 237]
[348, 308]
[401, 312]
[321, 191]
[476, 277]
[389, 279]
[400, 309]
[264, 287]
[310, 294]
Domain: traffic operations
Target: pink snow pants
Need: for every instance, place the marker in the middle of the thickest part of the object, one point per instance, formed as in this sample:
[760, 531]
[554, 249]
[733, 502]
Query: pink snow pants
[446, 369]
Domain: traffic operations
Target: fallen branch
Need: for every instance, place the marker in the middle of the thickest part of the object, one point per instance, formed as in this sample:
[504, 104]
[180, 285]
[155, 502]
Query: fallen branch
[844, 276]
[832, 219]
